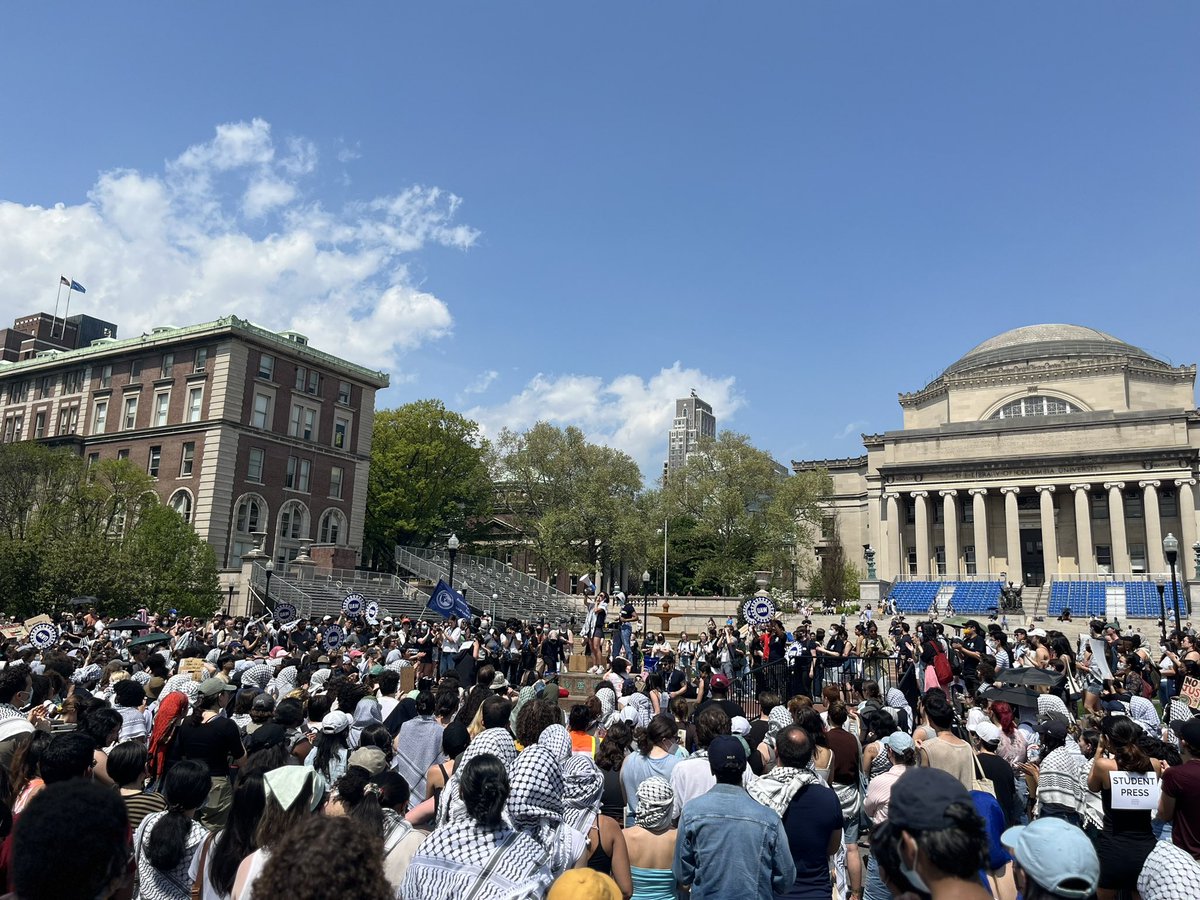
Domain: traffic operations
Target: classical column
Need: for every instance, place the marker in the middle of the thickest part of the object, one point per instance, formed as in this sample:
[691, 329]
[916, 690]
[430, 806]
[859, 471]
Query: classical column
[1155, 561]
[983, 561]
[922, 520]
[875, 531]
[895, 536]
[950, 528]
[1083, 528]
[1049, 535]
[1012, 534]
[1116, 521]
[1187, 529]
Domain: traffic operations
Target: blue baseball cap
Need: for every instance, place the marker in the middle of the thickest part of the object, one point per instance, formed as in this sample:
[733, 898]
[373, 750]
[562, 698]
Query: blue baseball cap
[1057, 855]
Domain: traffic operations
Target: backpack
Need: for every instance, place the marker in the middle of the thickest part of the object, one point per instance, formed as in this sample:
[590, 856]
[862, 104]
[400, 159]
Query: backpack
[943, 669]
[954, 659]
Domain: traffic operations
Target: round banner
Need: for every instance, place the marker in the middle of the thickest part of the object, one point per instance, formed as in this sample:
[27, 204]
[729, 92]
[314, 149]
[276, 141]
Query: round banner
[43, 636]
[285, 613]
[758, 610]
[334, 637]
[352, 604]
[373, 612]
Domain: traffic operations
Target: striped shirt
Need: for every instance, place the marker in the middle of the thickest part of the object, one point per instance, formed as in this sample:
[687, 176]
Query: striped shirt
[141, 804]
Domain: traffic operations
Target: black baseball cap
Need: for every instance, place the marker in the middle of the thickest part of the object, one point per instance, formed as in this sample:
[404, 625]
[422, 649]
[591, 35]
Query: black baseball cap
[920, 798]
[726, 755]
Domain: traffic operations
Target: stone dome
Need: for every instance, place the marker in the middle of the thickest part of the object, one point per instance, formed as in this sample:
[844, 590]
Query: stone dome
[1037, 342]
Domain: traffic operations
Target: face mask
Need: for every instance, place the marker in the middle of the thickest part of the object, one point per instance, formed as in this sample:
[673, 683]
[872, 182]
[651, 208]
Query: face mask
[913, 878]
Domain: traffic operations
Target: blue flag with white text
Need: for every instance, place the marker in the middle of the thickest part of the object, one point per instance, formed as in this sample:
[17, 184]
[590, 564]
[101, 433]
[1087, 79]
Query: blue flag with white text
[447, 602]
[76, 286]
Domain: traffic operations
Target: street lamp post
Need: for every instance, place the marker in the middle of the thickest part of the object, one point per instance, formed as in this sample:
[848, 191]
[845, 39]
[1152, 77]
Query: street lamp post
[495, 597]
[1162, 610]
[452, 549]
[1171, 550]
[270, 567]
[645, 612]
[229, 600]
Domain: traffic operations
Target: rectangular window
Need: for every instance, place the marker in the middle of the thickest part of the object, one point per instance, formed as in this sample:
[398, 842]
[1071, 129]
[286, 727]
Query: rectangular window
[195, 404]
[968, 511]
[106, 376]
[301, 377]
[940, 556]
[73, 382]
[168, 363]
[45, 387]
[912, 561]
[39, 425]
[68, 419]
[201, 359]
[12, 428]
[162, 406]
[123, 454]
[1133, 505]
[135, 370]
[129, 420]
[154, 461]
[341, 433]
[1168, 503]
[93, 458]
[266, 366]
[1099, 505]
[969, 559]
[187, 460]
[100, 417]
[1104, 558]
[344, 392]
[298, 472]
[314, 382]
[336, 476]
[303, 423]
[1137, 557]
[262, 411]
[254, 469]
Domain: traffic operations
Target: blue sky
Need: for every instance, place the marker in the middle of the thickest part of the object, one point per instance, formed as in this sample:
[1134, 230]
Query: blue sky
[579, 211]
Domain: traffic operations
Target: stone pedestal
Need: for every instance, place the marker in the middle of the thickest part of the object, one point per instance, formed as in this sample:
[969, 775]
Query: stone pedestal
[872, 592]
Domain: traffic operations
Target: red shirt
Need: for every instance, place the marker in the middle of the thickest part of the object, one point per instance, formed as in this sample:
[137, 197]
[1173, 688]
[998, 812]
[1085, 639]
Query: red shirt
[1182, 783]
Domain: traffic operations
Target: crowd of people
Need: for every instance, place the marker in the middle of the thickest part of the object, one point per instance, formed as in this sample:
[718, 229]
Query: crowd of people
[253, 760]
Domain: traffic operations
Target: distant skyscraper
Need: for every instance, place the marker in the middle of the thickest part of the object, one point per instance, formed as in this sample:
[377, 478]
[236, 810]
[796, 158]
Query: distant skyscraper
[694, 420]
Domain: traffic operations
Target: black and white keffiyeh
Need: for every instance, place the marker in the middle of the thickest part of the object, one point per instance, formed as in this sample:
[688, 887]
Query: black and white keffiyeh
[258, 675]
[583, 785]
[495, 741]
[655, 804]
[779, 787]
[535, 806]
[465, 857]
[557, 740]
[1169, 873]
[1143, 712]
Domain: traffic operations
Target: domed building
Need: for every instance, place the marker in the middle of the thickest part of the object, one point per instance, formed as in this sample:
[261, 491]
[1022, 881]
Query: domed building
[1046, 452]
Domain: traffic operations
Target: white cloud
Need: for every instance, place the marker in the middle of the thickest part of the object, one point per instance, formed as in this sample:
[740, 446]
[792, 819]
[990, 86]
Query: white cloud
[627, 412]
[481, 383]
[848, 429]
[229, 227]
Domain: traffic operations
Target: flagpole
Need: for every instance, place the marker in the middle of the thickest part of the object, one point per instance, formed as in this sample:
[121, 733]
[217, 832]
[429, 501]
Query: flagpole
[57, 298]
[67, 312]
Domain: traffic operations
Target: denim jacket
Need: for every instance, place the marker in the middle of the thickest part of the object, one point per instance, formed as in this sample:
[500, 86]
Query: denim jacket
[729, 845]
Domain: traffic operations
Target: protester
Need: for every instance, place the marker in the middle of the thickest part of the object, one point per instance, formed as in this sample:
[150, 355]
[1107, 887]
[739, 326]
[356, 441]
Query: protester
[1054, 859]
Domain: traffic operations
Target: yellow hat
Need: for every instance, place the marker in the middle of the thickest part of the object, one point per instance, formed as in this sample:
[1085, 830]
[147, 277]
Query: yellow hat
[584, 884]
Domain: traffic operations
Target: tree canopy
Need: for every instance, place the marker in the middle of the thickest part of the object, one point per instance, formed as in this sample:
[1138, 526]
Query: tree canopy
[428, 475]
[68, 529]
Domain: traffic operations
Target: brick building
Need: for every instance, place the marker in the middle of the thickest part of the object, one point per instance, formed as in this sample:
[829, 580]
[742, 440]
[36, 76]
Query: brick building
[244, 430]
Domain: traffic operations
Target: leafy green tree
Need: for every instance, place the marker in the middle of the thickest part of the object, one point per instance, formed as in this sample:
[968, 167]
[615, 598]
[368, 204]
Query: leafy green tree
[731, 511]
[429, 475]
[573, 500]
[169, 566]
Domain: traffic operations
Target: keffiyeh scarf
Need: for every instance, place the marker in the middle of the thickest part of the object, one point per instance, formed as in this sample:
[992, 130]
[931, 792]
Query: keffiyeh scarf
[642, 706]
[535, 806]
[583, 784]
[284, 683]
[257, 675]
[183, 684]
[526, 694]
[655, 802]
[495, 741]
[557, 741]
[780, 786]
[1050, 706]
[1143, 712]
[608, 705]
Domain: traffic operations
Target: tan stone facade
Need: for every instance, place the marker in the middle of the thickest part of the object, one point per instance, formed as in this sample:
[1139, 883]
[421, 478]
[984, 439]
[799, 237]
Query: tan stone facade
[1047, 451]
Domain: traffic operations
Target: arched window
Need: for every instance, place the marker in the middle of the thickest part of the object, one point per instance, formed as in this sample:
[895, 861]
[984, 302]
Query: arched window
[250, 514]
[292, 531]
[1034, 406]
[333, 527]
[181, 502]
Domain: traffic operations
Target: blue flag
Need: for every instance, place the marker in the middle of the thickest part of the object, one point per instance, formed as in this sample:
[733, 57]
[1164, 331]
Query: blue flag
[447, 602]
[76, 286]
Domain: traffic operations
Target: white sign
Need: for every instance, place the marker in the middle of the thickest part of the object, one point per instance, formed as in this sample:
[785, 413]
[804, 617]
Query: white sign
[1099, 660]
[1135, 790]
